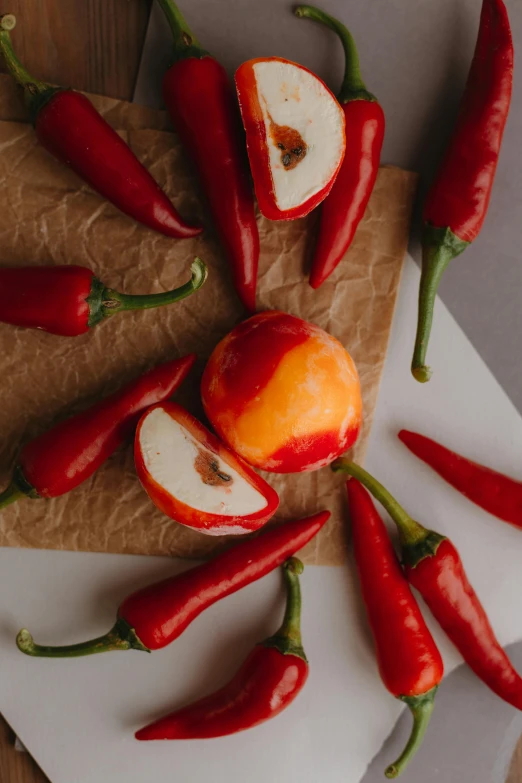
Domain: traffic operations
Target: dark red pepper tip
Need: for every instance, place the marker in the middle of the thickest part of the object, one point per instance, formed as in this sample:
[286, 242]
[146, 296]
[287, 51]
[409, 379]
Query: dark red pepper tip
[120, 637]
[352, 87]
[417, 541]
[421, 708]
[406, 436]
[287, 640]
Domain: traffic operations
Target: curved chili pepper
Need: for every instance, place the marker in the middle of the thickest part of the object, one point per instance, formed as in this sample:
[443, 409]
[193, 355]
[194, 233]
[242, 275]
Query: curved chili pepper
[70, 128]
[344, 208]
[496, 493]
[70, 452]
[201, 102]
[70, 300]
[458, 200]
[266, 683]
[153, 617]
[433, 566]
[409, 661]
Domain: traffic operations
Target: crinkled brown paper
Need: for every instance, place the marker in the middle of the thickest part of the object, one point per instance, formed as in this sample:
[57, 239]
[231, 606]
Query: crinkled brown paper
[47, 216]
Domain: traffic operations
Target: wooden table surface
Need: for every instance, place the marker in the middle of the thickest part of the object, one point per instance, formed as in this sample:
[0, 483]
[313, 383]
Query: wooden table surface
[92, 45]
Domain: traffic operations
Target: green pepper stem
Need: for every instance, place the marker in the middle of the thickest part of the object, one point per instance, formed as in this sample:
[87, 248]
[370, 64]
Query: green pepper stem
[185, 42]
[421, 708]
[113, 302]
[120, 637]
[352, 87]
[14, 66]
[10, 495]
[411, 532]
[288, 638]
[439, 247]
[417, 542]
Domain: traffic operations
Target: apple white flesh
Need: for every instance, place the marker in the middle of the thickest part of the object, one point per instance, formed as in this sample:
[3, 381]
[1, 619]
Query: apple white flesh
[176, 461]
[292, 97]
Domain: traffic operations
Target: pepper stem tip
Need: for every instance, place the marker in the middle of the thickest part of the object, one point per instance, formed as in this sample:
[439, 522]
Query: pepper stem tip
[199, 273]
[294, 565]
[8, 22]
[24, 642]
[421, 708]
[121, 637]
[421, 373]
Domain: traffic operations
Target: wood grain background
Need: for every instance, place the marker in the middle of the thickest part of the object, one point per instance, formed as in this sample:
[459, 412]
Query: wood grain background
[92, 45]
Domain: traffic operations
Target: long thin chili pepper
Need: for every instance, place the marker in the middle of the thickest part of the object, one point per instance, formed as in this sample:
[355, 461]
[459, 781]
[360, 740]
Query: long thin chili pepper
[409, 661]
[70, 128]
[496, 493]
[433, 566]
[70, 452]
[156, 615]
[458, 200]
[201, 102]
[267, 682]
[70, 300]
[344, 208]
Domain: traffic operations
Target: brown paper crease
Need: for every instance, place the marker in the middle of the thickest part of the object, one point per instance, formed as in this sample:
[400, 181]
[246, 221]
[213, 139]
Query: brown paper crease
[48, 216]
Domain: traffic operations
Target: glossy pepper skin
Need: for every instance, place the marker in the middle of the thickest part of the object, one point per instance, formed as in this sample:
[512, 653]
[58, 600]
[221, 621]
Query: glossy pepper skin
[153, 617]
[70, 128]
[70, 300]
[343, 209]
[496, 493]
[457, 202]
[434, 567]
[201, 102]
[70, 452]
[409, 661]
[267, 682]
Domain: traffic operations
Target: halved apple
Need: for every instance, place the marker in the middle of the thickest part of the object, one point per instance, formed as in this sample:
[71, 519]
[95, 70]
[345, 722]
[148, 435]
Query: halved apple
[295, 135]
[195, 479]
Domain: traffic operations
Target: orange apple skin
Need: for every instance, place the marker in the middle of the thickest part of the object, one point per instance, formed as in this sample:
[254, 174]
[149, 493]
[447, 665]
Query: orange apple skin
[283, 394]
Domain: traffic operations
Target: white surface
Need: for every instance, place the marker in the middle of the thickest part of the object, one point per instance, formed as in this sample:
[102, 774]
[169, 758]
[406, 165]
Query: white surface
[170, 452]
[77, 717]
[289, 95]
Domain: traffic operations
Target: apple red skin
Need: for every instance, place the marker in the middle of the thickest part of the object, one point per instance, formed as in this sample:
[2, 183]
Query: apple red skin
[257, 146]
[283, 394]
[212, 524]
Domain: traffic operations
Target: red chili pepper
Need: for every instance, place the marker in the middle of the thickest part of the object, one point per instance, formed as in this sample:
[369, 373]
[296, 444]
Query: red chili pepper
[156, 615]
[344, 208]
[433, 566]
[70, 300]
[458, 200]
[201, 102]
[498, 494]
[71, 451]
[70, 128]
[266, 683]
[409, 661]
